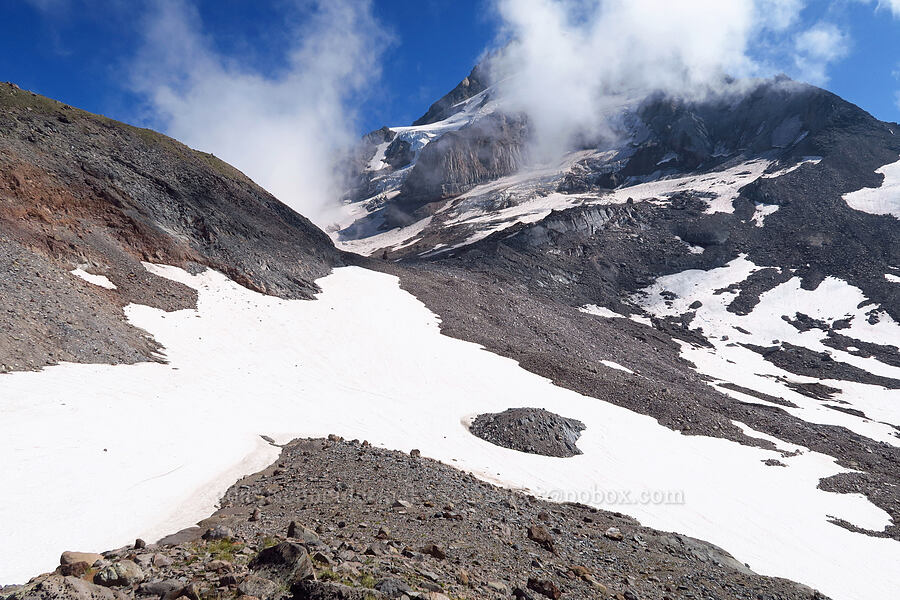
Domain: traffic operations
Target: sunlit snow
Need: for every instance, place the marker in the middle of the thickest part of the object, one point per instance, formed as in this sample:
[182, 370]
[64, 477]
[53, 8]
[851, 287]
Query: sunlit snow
[100, 280]
[883, 200]
[96, 455]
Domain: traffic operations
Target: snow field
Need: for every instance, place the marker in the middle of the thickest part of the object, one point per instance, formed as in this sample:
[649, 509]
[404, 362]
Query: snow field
[142, 450]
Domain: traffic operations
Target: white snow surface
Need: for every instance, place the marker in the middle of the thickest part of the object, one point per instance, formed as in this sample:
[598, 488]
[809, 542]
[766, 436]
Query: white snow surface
[761, 212]
[96, 455]
[529, 199]
[394, 239]
[729, 361]
[601, 311]
[883, 200]
[892, 278]
[100, 280]
[806, 159]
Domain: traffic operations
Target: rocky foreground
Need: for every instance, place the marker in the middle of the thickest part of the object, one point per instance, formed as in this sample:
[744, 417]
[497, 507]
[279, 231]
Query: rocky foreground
[344, 520]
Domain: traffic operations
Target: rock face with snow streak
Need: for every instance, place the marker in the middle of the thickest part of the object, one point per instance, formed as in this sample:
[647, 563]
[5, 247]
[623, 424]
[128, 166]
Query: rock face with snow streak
[80, 190]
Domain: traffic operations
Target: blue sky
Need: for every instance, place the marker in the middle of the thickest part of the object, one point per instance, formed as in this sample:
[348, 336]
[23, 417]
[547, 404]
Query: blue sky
[80, 51]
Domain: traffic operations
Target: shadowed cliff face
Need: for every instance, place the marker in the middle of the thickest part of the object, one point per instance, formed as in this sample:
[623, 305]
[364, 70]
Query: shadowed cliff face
[485, 150]
[78, 189]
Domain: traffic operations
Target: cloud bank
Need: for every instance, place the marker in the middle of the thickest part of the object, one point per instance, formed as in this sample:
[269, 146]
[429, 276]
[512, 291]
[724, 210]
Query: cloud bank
[566, 63]
[284, 130]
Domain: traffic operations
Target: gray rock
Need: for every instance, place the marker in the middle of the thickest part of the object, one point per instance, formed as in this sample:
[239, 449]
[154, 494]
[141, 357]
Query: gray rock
[287, 562]
[305, 535]
[124, 572]
[160, 587]
[259, 587]
[219, 532]
[69, 588]
[393, 588]
[185, 536]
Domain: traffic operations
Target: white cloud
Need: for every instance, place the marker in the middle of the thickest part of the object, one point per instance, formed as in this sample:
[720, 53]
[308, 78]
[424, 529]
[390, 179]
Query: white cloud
[892, 5]
[818, 47]
[571, 56]
[283, 130]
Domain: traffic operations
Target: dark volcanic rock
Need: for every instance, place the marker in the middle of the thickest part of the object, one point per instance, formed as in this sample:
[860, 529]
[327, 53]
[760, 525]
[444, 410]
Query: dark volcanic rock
[586, 562]
[531, 430]
[78, 189]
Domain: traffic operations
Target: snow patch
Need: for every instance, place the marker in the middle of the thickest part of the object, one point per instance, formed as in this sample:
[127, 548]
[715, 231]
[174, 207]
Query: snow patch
[883, 200]
[617, 366]
[761, 212]
[601, 311]
[814, 160]
[394, 239]
[100, 280]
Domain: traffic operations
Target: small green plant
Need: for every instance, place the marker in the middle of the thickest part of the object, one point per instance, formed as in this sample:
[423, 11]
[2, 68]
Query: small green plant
[223, 549]
[367, 581]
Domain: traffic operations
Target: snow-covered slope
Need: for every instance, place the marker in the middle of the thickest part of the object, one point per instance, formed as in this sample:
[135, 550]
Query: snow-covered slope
[244, 364]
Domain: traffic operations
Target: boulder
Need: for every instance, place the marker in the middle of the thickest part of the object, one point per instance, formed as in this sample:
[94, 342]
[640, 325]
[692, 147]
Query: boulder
[124, 572]
[71, 588]
[258, 587]
[69, 558]
[545, 587]
[287, 562]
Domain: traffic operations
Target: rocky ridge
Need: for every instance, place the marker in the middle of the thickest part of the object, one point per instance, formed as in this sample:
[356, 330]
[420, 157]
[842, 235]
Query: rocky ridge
[79, 190]
[343, 520]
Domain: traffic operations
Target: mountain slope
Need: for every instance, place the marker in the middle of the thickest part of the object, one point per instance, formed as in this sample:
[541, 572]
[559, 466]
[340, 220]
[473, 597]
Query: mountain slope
[79, 191]
[739, 257]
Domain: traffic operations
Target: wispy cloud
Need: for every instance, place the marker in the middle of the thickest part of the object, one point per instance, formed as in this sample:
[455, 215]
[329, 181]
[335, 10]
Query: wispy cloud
[283, 130]
[817, 48]
[891, 5]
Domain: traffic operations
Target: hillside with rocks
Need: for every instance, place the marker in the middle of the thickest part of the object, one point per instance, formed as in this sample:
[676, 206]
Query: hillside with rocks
[80, 192]
[663, 365]
[333, 519]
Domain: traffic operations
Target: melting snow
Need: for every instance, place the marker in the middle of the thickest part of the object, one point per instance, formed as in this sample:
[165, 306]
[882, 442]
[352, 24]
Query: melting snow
[100, 280]
[762, 211]
[601, 311]
[245, 364]
[883, 200]
[730, 361]
[806, 160]
[394, 239]
[617, 366]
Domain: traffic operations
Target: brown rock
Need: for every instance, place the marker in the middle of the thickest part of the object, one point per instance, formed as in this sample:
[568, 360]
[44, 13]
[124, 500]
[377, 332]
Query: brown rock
[74, 570]
[435, 551]
[542, 537]
[69, 558]
[544, 587]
